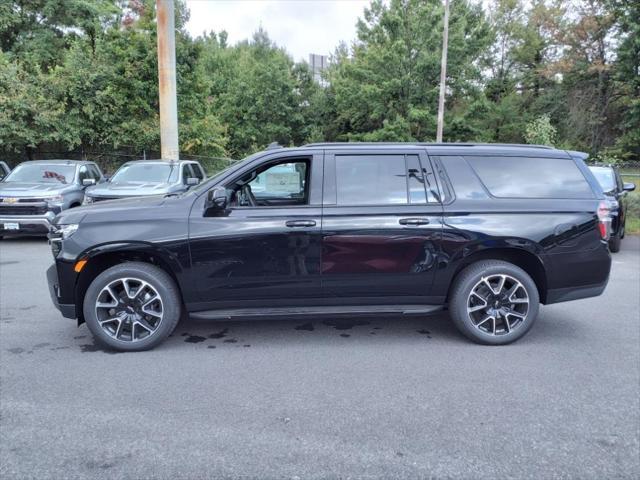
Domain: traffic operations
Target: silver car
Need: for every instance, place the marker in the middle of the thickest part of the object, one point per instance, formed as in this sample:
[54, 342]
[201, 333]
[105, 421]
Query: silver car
[147, 177]
[36, 191]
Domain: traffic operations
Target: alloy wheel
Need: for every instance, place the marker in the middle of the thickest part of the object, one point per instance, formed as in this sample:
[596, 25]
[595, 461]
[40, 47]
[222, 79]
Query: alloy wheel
[498, 304]
[129, 309]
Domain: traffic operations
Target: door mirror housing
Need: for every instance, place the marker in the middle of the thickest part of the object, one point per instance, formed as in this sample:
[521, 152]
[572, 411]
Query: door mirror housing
[191, 181]
[216, 203]
[629, 187]
[87, 182]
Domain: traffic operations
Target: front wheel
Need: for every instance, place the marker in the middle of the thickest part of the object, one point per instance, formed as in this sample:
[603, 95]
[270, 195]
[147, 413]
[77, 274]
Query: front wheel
[133, 306]
[494, 302]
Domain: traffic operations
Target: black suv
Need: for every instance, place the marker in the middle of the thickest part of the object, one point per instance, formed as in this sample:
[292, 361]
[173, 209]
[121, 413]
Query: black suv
[491, 231]
[615, 191]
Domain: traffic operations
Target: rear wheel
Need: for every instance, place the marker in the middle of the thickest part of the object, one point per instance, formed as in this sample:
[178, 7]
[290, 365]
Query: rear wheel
[615, 243]
[494, 302]
[132, 306]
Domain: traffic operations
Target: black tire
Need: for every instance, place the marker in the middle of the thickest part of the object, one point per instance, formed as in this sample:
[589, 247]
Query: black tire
[157, 279]
[506, 326]
[615, 243]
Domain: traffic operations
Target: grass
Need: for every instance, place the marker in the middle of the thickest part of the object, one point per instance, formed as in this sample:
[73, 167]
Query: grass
[633, 198]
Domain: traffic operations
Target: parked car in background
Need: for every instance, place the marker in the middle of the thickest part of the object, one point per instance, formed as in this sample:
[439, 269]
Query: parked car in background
[36, 191]
[342, 229]
[4, 170]
[148, 177]
[615, 190]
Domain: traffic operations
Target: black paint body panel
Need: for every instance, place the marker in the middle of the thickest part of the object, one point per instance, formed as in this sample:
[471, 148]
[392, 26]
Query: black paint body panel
[347, 255]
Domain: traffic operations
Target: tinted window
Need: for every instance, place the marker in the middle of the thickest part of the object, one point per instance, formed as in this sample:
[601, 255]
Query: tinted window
[606, 178]
[372, 180]
[528, 177]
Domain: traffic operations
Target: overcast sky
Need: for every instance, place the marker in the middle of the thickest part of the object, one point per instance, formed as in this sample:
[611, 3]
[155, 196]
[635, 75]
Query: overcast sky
[300, 26]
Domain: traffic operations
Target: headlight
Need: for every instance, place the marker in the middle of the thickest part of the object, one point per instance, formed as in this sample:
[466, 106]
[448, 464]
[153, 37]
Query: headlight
[66, 231]
[57, 200]
[87, 200]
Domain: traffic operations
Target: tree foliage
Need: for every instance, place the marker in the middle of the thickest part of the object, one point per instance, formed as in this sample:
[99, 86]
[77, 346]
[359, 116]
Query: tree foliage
[82, 75]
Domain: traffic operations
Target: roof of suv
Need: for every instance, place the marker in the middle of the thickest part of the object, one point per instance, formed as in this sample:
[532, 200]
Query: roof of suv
[480, 149]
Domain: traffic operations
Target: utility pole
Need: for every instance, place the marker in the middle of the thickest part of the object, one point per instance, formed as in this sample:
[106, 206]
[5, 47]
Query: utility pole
[167, 80]
[443, 71]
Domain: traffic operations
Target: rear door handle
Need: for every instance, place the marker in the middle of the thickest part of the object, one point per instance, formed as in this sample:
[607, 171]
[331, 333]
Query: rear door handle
[300, 223]
[413, 221]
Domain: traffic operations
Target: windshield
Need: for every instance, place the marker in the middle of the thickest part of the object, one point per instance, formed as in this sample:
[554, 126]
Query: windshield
[606, 178]
[42, 173]
[146, 173]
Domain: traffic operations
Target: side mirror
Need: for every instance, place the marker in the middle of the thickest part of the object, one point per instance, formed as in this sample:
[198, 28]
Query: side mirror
[629, 187]
[216, 203]
[191, 181]
[105, 178]
[87, 182]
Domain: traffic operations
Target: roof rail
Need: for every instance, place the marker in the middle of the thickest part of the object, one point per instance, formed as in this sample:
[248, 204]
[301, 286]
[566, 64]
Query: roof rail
[430, 144]
[273, 146]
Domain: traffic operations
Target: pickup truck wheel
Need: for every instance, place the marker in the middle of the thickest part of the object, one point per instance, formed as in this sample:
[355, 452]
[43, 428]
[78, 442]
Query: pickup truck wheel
[132, 306]
[494, 302]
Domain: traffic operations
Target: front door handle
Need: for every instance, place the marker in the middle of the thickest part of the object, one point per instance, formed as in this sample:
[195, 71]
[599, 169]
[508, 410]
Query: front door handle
[300, 223]
[413, 221]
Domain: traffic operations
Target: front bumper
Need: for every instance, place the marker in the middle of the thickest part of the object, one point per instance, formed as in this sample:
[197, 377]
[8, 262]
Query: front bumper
[67, 310]
[27, 224]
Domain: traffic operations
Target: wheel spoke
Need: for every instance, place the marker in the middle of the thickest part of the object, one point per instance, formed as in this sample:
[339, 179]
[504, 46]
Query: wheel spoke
[119, 329]
[476, 308]
[509, 311]
[147, 302]
[144, 324]
[484, 320]
[477, 295]
[109, 320]
[507, 324]
[503, 278]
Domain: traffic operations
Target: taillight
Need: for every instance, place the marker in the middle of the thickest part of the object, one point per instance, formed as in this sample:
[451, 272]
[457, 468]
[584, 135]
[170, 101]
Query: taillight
[604, 219]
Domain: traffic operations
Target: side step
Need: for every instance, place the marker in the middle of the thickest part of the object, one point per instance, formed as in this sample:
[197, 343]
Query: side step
[334, 311]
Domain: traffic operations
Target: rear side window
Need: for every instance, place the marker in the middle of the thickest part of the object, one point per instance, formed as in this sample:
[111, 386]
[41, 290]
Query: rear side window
[529, 177]
[380, 180]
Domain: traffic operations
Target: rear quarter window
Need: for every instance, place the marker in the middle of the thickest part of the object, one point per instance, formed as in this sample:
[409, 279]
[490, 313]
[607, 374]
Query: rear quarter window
[531, 177]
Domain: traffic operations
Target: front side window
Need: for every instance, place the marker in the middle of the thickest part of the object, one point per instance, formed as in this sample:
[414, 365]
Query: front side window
[146, 173]
[279, 184]
[42, 173]
[529, 177]
[197, 171]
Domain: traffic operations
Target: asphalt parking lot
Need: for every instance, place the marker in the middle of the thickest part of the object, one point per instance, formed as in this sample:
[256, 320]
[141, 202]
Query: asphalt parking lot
[380, 398]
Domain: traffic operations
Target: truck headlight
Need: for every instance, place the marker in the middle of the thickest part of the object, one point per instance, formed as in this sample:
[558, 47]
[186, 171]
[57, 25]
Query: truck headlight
[57, 200]
[66, 231]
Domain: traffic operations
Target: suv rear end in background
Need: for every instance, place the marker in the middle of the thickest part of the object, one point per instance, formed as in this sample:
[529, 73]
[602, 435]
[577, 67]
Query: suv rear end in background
[491, 231]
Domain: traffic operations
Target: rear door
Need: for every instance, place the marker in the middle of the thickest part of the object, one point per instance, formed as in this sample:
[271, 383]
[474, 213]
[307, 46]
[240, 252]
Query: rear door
[381, 226]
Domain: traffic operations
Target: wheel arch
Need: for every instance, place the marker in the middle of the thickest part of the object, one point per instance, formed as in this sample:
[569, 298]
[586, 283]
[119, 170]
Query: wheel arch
[107, 256]
[526, 260]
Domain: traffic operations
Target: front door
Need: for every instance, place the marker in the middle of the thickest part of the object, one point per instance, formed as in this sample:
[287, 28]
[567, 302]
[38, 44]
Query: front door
[381, 227]
[265, 251]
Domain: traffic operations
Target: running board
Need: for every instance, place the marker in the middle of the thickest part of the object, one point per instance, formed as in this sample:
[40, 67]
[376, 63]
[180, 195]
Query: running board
[334, 311]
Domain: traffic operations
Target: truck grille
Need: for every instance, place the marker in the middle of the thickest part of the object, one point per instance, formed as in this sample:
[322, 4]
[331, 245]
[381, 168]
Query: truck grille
[22, 209]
